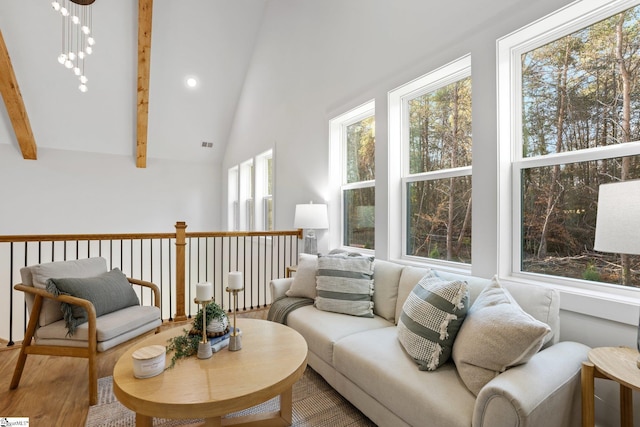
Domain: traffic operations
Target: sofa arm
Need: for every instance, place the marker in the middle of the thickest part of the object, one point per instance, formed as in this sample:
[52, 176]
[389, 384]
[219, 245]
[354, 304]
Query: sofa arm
[279, 287]
[544, 392]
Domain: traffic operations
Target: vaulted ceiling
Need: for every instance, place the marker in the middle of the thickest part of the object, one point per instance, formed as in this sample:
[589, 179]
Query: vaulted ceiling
[210, 40]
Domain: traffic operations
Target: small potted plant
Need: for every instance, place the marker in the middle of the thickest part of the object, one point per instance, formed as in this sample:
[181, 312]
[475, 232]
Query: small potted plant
[186, 345]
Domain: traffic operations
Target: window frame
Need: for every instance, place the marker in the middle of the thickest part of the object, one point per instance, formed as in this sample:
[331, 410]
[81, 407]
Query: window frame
[233, 219]
[399, 157]
[261, 185]
[338, 168]
[511, 162]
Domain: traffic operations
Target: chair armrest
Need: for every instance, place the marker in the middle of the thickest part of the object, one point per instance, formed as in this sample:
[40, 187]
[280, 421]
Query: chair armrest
[279, 287]
[542, 392]
[41, 293]
[154, 289]
[86, 304]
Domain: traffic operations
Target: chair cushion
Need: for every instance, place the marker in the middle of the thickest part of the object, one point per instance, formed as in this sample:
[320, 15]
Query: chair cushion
[497, 334]
[108, 326]
[344, 283]
[38, 275]
[109, 292]
[430, 320]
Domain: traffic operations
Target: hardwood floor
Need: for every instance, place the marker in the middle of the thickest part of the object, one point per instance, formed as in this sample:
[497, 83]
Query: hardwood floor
[54, 391]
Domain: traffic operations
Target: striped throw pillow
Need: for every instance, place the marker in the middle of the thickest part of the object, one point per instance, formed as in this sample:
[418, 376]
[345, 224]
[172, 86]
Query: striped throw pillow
[344, 283]
[431, 317]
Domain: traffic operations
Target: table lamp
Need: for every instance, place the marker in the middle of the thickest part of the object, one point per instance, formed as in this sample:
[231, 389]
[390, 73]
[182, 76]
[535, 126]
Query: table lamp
[311, 217]
[618, 221]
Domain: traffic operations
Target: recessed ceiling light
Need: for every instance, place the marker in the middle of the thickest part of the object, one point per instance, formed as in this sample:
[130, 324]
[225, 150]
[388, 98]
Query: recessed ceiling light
[191, 82]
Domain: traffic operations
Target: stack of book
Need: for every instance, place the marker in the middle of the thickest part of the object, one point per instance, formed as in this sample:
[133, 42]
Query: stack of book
[222, 341]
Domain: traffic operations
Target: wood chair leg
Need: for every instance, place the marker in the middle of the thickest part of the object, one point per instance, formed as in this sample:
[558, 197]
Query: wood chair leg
[93, 379]
[26, 342]
[17, 372]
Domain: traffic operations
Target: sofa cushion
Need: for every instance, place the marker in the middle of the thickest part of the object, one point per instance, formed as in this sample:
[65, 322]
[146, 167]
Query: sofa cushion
[496, 335]
[430, 320]
[304, 281]
[386, 276]
[375, 361]
[38, 275]
[108, 292]
[408, 280]
[344, 284]
[322, 329]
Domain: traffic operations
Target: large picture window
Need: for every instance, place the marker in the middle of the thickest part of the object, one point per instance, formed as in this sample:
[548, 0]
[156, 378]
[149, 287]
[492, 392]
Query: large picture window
[569, 122]
[435, 130]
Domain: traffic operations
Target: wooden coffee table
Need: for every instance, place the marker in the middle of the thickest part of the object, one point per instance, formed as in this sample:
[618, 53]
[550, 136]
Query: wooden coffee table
[272, 359]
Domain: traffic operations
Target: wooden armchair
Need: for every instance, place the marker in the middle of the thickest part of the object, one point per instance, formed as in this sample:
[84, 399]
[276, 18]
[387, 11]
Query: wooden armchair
[47, 332]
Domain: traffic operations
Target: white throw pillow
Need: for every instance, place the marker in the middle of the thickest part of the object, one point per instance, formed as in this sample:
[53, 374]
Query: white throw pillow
[495, 336]
[304, 280]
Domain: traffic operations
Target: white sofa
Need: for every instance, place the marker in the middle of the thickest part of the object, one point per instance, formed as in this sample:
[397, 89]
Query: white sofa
[363, 360]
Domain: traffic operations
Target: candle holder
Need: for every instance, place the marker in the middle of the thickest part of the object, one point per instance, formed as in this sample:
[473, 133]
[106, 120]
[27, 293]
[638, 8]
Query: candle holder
[235, 339]
[204, 348]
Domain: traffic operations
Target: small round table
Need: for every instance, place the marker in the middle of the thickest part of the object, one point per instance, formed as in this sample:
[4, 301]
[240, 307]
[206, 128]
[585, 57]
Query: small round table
[617, 364]
[272, 359]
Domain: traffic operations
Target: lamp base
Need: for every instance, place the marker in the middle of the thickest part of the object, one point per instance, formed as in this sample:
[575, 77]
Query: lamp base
[235, 342]
[310, 243]
[204, 350]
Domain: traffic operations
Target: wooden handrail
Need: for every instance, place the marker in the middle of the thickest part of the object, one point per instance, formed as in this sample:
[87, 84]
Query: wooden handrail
[80, 237]
[136, 236]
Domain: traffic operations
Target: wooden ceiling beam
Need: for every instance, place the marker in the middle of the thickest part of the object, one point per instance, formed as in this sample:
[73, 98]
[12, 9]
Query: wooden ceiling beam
[12, 97]
[145, 12]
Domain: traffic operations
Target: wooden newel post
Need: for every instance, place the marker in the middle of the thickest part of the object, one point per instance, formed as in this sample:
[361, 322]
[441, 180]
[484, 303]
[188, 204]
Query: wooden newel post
[181, 242]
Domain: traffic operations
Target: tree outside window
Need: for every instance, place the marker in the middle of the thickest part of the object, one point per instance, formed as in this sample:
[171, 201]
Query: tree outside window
[359, 192]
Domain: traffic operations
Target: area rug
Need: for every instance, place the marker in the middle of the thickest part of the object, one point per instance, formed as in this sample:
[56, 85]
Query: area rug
[315, 404]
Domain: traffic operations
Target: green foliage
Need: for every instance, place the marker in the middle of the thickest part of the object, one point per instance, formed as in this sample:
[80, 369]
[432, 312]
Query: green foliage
[186, 345]
[434, 253]
[591, 273]
[213, 312]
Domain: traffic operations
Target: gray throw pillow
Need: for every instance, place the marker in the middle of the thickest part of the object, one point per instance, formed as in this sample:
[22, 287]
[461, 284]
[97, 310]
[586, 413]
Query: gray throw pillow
[496, 335]
[108, 292]
[431, 318]
[344, 284]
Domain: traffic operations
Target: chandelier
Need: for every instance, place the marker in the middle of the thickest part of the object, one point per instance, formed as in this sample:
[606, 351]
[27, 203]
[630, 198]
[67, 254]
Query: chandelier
[77, 38]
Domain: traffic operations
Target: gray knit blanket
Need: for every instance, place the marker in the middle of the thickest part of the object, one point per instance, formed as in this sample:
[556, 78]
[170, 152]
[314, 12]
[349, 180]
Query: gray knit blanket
[281, 308]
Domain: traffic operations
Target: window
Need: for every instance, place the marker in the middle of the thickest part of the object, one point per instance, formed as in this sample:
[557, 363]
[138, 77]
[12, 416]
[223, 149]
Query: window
[431, 119]
[353, 149]
[264, 190]
[250, 197]
[246, 195]
[569, 120]
[233, 213]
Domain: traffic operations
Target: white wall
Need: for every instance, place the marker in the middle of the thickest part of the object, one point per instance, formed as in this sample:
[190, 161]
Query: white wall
[315, 60]
[74, 192]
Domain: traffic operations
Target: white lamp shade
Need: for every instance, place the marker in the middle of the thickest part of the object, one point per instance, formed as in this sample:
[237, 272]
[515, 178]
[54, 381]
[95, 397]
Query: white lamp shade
[312, 216]
[618, 219]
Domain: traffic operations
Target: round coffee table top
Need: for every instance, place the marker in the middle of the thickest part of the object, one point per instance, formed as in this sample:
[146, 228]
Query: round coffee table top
[273, 357]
